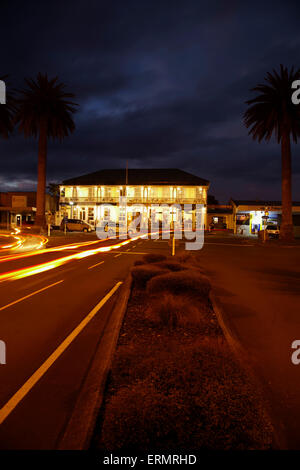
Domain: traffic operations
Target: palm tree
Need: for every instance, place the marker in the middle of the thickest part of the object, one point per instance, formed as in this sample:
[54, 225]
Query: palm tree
[272, 111]
[7, 111]
[44, 110]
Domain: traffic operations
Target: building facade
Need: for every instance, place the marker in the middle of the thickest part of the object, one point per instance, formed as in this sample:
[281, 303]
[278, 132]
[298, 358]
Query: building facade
[249, 216]
[220, 217]
[95, 197]
[17, 207]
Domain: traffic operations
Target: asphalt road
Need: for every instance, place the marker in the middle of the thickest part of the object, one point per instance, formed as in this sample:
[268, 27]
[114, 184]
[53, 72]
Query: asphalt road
[52, 304]
[258, 287]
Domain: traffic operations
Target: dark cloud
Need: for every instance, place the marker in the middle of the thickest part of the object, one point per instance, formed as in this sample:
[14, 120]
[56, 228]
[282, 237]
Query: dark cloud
[159, 84]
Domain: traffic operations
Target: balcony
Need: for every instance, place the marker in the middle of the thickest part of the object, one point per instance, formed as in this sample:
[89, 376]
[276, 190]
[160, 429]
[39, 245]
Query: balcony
[130, 200]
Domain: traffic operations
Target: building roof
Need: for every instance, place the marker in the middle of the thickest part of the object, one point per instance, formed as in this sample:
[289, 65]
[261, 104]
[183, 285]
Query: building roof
[219, 209]
[137, 176]
[260, 203]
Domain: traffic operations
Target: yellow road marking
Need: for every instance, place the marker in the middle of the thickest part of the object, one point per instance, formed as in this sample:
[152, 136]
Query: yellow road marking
[94, 265]
[117, 255]
[133, 253]
[30, 295]
[38, 374]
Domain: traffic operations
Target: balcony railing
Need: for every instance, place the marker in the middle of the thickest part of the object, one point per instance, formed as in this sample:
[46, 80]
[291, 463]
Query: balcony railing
[131, 200]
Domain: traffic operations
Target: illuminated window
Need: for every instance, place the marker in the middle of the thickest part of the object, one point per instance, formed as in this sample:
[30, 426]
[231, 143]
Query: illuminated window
[90, 214]
[68, 191]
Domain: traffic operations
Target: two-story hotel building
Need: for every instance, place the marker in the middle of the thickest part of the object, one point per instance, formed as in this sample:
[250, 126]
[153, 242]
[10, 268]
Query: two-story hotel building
[95, 197]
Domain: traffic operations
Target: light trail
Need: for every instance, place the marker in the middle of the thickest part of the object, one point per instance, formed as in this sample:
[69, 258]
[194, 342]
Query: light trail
[46, 250]
[32, 270]
[19, 240]
[42, 242]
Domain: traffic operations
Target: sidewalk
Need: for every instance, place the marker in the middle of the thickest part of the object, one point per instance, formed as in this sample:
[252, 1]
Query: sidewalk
[60, 238]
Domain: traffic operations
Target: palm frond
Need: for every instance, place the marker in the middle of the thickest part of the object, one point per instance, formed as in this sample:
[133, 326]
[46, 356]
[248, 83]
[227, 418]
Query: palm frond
[271, 111]
[47, 100]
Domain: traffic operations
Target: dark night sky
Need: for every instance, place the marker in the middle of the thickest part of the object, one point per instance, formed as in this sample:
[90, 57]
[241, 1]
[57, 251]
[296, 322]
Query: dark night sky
[159, 83]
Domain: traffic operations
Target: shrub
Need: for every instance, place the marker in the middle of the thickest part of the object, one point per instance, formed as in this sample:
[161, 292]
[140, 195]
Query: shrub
[188, 397]
[142, 274]
[153, 258]
[185, 258]
[138, 262]
[184, 282]
[173, 311]
[171, 265]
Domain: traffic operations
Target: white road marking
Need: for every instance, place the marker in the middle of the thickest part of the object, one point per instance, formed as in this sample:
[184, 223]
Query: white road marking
[30, 295]
[38, 374]
[128, 249]
[116, 256]
[94, 265]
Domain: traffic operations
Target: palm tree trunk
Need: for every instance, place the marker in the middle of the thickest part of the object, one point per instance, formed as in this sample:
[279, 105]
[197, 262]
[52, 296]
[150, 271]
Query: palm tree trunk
[40, 219]
[286, 229]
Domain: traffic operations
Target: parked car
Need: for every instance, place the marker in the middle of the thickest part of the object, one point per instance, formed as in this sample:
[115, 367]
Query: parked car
[75, 225]
[273, 231]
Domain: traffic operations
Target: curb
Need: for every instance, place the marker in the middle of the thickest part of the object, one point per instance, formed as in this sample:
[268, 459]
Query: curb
[79, 429]
[241, 355]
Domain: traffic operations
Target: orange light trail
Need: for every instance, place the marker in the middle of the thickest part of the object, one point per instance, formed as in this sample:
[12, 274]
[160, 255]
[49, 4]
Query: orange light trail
[19, 240]
[32, 270]
[38, 251]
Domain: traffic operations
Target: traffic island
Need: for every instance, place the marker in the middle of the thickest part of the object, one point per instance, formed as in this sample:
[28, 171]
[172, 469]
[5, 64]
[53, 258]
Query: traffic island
[175, 384]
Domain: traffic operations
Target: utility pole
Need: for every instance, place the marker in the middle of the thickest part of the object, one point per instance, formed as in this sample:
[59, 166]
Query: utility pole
[265, 218]
[173, 240]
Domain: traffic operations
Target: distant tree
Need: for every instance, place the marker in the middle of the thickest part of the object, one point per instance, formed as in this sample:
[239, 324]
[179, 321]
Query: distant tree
[212, 200]
[272, 111]
[7, 112]
[53, 189]
[44, 110]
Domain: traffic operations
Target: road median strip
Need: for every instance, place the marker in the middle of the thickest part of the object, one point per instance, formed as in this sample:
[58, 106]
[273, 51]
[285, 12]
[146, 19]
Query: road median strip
[172, 355]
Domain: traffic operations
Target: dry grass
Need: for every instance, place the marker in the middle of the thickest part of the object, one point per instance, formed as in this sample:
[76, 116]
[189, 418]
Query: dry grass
[142, 274]
[171, 265]
[138, 262]
[188, 397]
[190, 282]
[173, 311]
[175, 385]
[154, 258]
